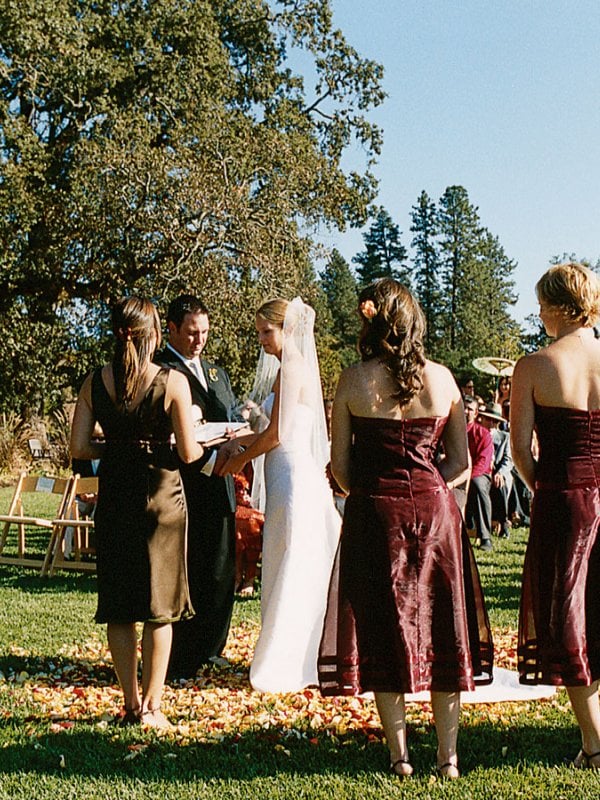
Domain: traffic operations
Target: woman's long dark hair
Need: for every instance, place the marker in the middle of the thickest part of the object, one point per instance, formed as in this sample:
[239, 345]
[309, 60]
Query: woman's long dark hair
[136, 327]
[393, 330]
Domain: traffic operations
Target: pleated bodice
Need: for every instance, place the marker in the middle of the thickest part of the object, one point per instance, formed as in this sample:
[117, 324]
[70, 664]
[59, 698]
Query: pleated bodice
[569, 442]
[405, 454]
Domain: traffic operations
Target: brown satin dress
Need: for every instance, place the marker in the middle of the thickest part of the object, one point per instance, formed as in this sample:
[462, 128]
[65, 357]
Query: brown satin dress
[141, 518]
[559, 625]
[405, 610]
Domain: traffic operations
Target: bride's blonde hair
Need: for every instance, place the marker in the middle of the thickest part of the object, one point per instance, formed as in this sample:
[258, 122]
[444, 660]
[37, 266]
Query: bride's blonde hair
[274, 311]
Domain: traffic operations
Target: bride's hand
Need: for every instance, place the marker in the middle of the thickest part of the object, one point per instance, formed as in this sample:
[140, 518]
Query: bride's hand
[235, 463]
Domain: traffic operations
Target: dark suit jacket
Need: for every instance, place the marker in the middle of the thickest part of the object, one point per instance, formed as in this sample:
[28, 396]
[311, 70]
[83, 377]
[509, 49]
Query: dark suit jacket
[218, 405]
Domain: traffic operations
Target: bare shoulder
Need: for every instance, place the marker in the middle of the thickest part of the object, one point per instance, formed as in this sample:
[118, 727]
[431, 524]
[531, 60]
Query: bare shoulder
[348, 384]
[351, 374]
[532, 362]
[177, 381]
[437, 376]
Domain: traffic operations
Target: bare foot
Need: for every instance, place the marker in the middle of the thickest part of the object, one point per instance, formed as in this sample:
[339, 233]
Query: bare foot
[402, 768]
[154, 718]
[246, 591]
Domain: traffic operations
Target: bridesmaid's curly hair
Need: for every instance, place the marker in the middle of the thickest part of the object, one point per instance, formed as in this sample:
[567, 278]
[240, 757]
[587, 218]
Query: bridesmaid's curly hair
[393, 328]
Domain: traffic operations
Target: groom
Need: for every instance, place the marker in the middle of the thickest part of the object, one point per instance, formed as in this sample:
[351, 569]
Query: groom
[210, 500]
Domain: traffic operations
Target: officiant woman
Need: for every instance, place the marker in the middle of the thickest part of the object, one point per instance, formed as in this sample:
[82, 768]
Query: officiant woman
[141, 518]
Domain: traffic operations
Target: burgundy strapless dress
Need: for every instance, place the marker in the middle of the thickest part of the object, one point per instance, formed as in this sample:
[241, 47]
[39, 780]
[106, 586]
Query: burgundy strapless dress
[559, 624]
[405, 609]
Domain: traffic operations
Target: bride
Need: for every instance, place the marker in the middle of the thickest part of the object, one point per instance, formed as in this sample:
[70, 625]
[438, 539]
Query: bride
[302, 527]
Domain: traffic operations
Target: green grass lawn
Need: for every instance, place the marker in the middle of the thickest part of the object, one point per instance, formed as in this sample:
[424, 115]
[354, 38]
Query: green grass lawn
[58, 696]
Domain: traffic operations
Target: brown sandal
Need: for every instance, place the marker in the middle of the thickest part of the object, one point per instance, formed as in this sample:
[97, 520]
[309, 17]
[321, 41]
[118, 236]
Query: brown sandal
[444, 771]
[583, 760]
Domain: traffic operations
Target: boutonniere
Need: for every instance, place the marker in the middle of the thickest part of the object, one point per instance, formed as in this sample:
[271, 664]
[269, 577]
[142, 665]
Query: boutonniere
[213, 375]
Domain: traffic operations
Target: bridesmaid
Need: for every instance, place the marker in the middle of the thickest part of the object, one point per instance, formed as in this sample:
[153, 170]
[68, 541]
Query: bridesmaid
[405, 609]
[556, 392]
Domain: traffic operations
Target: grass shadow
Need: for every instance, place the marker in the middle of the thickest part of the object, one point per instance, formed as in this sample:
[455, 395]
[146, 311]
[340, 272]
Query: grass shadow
[60, 583]
[55, 670]
[89, 752]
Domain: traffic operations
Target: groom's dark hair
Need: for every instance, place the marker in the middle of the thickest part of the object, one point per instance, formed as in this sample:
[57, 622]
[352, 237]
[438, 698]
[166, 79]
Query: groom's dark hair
[182, 305]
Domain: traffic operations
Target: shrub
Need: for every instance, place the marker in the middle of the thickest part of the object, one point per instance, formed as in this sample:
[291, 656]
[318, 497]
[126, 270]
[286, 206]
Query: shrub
[13, 443]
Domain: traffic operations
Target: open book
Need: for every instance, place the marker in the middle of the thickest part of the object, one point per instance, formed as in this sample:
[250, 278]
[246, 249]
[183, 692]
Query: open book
[210, 433]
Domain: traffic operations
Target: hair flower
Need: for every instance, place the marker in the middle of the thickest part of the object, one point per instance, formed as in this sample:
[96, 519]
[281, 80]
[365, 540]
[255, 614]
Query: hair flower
[367, 309]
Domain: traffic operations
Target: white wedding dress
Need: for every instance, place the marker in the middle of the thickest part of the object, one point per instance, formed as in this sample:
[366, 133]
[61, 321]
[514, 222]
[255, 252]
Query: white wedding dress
[300, 537]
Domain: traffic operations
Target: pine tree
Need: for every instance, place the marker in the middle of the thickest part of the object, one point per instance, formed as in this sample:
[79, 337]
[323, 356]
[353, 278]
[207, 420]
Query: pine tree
[384, 255]
[533, 335]
[339, 285]
[426, 266]
[477, 285]
[497, 333]
[339, 289]
[459, 231]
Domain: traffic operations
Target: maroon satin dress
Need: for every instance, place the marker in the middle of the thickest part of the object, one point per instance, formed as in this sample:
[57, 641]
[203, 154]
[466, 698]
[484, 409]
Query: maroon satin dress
[559, 624]
[405, 609]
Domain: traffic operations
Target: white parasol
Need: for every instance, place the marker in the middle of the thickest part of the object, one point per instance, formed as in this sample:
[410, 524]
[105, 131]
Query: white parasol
[494, 365]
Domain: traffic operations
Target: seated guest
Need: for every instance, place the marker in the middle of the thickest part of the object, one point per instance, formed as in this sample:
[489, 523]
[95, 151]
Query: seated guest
[467, 388]
[502, 393]
[490, 416]
[481, 449]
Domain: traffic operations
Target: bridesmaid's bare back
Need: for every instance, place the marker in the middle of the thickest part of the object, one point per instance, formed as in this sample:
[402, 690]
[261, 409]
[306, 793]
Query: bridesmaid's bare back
[371, 388]
[567, 372]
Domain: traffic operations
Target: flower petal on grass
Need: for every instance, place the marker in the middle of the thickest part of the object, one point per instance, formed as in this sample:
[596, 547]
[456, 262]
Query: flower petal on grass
[80, 686]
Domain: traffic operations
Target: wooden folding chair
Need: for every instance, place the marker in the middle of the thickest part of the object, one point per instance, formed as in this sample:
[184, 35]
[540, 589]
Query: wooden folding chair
[28, 488]
[80, 524]
[37, 449]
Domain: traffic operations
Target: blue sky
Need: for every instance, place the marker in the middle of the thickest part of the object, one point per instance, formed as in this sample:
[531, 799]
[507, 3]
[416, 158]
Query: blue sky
[500, 97]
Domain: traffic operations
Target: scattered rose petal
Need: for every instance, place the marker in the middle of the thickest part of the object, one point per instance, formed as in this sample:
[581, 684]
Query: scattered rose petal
[80, 685]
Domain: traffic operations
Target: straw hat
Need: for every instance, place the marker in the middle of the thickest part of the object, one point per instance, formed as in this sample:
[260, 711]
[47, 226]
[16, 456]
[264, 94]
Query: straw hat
[492, 410]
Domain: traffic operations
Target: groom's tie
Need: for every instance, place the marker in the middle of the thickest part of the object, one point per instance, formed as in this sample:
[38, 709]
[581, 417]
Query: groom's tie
[197, 370]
